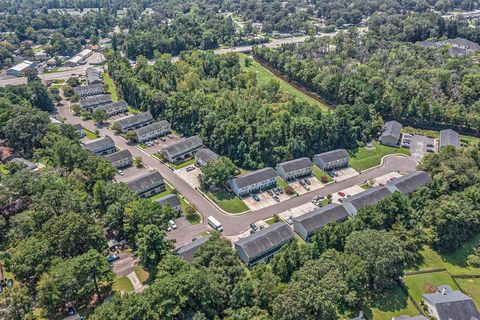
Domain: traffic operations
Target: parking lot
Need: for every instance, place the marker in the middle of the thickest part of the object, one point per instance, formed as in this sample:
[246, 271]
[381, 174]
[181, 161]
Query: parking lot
[382, 180]
[345, 173]
[159, 144]
[129, 173]
[265, 200]
[314, 185]
[297, 211]
[349, 191]
[190, 177]
[419, 145]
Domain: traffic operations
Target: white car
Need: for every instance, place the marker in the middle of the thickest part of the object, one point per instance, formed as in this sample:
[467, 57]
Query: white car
[172, 224]
[120, 172]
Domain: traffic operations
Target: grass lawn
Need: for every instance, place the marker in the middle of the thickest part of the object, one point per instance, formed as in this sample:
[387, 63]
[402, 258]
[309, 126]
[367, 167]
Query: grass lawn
[361, 158]
[89, 134]
[3, 169]
[198, 217]
[264, 76]
[132, 110]
[183, 164]
[228, 202]
[111, 87]
[471, 288]
[455, 263]
[281, 183]
[389, 304]
[168, 190]
[141, 274]
[419, 284]
[366, 186]
[318, 173]
[271, 221]
[122, 284]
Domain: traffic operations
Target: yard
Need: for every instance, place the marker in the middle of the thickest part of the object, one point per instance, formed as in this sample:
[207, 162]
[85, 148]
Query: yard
[281, 183]
[471, 287]
[318, 173]
[122, 284]
[111, 86]
[362, 159]
[264, 76]
[183, 164]
[419, 284]
[141, 274]
[168, 190]
[390, 304]
[227, 201]
[89, 134]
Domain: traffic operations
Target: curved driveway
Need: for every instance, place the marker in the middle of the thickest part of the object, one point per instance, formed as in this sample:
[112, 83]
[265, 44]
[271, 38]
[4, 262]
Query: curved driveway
[235, 224]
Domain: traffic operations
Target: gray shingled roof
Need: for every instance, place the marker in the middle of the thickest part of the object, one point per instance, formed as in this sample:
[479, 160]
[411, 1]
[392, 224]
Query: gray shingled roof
[409, 182]
[263, 240]
[296, 164]
[333, 155]
[135, 119]
[255, 177]
[392, 128]
[77, 126]
[93, 75]
[145, 182]
[409, 318]
[366, 198]
[90, 87]
[449, 138]
[162, 125]
[206, 155]
[188, 251]
[171, 199]
[102, 144]
[114, 105]
[453, 305]
[183, 146]
[116, 156]
[462, 42]
[95, 100]
[319, 217]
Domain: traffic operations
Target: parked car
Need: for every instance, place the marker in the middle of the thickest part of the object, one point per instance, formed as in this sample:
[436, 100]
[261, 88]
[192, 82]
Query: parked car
[307, 181]
[170, 136]
[270, 192]
[163, 139]
[276, 198]
[280, 190]
[113, 257]
[169, 228]
[306, 187]
[255, 197]
[254, 227]
[172, 224]
[316, 198]
[341, 194]
[190, 168]
[276, 192]
[120, 172]
[289, 220]
[430, 150]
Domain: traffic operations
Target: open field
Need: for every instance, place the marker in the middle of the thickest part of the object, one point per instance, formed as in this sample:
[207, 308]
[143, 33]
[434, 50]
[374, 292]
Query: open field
[471, 287]
[111, 87]
[264, 76]
[227, 201]
[362, 159]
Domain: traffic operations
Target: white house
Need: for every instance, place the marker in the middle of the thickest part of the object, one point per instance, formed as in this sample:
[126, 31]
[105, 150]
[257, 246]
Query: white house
[294, 168]
[254, 181]
[332, 159]
[152, 131]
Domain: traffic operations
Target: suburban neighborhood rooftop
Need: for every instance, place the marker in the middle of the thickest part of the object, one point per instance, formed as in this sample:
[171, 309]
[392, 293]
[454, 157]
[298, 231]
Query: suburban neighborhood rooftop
[183, 146]
[255, 177]
[296, 164]
[333, 155]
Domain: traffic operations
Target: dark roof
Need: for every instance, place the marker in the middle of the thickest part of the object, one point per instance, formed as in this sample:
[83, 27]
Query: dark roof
[135, 119]
[449, 138]
[162, 125]
[297, 164]
[77, 126]
[25, 163]
[255, 177]
[144, 182]
[392, 128]
[100, 144]
[409, 182]
[453, 305]
[90, 87]
[188, 251]
[366, 198]
[206, 155]
[333, 155]
[262, 241]
[319, 217]
[93, 75]
[95, 100]
[114, 105]
[116, 156]
[183, 146]
[462, 42]
[171, 199]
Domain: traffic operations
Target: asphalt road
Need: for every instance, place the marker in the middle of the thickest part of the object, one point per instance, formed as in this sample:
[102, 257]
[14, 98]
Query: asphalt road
[235, 224]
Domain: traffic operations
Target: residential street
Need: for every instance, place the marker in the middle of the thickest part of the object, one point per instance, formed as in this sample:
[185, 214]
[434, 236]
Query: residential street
[234, 224]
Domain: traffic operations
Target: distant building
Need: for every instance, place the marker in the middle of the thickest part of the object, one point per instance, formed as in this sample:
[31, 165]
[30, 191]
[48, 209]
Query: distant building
[152, 131]
[205, 155]
[79, 58]
[172, 201]
[446, 304]
[94, 76]
[78, 127]
[366, 198]
[30, 166]
[182, 150]
[332, 159]
[294, 168]
[449, 138]
[102, 146]
[134, 121]
[93, 102]
[120, 159]
[306, 225]
[20, 69]
[457, 47]
[147, 185]
[188, 251]
[40, 56]
[90, 90]
[114, 108]
[263, 244]
[391, 134]
[409, 182]
[254, 181]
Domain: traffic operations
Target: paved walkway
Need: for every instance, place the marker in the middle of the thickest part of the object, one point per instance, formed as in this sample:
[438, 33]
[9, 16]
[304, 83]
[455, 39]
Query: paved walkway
[137, 285]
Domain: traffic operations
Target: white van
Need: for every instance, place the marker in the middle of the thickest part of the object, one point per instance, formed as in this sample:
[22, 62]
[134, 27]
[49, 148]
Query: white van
[214, 223]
